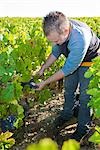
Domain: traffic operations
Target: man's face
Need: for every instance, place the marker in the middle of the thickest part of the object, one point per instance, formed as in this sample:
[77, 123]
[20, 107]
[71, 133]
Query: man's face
[57, 38]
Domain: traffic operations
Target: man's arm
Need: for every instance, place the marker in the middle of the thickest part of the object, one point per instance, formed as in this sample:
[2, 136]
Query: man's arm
[50, 60]
[55, 77]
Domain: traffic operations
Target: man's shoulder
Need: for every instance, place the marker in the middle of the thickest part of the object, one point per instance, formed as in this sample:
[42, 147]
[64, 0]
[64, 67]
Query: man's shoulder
[79, 31]
[78, 23]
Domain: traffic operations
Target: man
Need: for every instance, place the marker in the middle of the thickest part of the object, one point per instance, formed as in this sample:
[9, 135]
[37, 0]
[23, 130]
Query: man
[79, 44]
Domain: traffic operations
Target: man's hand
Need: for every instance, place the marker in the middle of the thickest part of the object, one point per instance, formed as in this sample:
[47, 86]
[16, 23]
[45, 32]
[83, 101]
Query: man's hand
[50, 60]
[41, 71]
[40, 85]
[57, 76]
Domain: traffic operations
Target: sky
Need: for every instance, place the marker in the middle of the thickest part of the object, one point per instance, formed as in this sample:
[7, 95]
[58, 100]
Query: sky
[40, 8]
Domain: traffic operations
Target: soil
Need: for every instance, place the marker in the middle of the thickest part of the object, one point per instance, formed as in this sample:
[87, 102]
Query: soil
[39, 123]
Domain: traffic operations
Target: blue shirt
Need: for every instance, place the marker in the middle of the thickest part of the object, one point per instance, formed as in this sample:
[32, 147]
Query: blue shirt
[78, 43]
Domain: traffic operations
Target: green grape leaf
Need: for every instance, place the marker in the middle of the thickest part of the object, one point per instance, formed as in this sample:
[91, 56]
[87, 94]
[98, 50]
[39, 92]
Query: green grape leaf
[5, 135]
[18, 90]
[47, 144]
[44, 95]
[2, 71]
[94, 92]
[97, 112]
[88, 74]
[7, 94]
[6, 140]
[95, 138]
[98, 73]
[3, 57]
[3, 110]
[6, 78]
[71, 145]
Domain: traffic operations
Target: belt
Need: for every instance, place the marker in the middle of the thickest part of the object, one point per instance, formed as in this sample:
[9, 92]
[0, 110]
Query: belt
[86, 64]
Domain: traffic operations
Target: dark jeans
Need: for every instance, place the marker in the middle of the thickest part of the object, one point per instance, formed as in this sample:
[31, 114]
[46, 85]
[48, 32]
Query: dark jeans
[71, 83]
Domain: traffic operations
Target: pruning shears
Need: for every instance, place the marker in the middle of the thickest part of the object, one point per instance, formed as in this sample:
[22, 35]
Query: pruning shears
[30, 83]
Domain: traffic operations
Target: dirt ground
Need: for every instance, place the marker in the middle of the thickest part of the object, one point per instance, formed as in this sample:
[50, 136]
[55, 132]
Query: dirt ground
[39, 122]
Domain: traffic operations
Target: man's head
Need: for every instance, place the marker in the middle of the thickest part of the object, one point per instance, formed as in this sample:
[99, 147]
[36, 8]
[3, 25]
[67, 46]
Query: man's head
[56, 27]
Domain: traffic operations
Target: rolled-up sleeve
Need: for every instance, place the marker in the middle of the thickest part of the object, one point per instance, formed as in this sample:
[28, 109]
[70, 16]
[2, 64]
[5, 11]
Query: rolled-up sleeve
[78, 50]
[56, 51]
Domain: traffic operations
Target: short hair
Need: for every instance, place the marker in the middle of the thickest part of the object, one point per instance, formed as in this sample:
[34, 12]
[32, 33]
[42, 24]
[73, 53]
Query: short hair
[53, 22]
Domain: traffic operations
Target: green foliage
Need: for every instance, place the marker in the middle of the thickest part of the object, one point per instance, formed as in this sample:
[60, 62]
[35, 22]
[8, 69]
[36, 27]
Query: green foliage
[71, 145]
[44, 95]
[21, 44]
[94, 91]
[94, 86]
[48, 144]
[6, 141]
[95, 138]
[7, 94]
